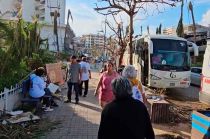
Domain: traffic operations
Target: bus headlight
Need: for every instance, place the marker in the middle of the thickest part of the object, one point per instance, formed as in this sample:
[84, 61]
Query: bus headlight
[153, 77]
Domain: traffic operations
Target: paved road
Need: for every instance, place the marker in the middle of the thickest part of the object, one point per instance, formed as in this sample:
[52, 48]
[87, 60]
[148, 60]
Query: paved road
[191, 93]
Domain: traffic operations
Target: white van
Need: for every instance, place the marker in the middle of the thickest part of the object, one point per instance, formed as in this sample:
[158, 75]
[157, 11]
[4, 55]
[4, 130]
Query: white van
[204, 95]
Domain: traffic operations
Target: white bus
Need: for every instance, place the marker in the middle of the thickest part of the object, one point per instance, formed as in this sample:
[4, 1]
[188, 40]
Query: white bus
[204, 94]
[162, 61]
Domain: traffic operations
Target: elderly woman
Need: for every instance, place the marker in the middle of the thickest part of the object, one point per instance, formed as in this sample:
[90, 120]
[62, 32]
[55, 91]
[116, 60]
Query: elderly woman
[104, 88]
[125, 117]
[137, 88]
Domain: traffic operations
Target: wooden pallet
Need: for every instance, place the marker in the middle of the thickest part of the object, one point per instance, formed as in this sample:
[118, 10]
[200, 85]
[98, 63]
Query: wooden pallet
[159, 111]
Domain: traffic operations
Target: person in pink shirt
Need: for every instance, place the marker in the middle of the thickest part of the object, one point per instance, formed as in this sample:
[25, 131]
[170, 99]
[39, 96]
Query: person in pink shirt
[104, 85]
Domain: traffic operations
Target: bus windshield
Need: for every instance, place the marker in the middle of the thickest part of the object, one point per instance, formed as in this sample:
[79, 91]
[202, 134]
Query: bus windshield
[170, 55]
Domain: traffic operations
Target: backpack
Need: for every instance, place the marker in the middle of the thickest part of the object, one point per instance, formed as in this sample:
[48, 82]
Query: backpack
[137, 93]
[26, 85]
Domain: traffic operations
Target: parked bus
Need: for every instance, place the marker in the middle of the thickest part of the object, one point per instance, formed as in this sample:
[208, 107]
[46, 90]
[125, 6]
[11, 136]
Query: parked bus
[162, 61]
[204, 94]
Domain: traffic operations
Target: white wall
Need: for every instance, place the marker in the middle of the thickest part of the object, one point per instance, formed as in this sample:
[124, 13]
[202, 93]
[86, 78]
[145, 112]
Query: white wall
[47, 32]
[29, 9]
[53, 3]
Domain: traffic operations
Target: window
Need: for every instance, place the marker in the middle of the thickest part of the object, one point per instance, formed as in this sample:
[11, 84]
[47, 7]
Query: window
[196, 70]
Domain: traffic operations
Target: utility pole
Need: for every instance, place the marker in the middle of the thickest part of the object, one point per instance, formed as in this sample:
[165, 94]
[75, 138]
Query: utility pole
[193, 18]
[105, 37]
[56, 28]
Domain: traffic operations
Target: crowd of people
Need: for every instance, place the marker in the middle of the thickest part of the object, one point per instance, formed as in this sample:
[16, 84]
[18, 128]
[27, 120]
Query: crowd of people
[120, 95]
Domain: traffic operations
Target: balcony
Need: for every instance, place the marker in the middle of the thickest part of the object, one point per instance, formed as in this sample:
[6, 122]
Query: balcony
[42, 1]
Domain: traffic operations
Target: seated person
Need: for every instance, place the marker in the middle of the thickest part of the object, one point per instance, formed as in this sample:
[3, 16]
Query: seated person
[38, 88]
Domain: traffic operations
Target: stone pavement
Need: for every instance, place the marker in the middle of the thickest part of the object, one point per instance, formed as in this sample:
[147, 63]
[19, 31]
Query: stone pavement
[77, 121]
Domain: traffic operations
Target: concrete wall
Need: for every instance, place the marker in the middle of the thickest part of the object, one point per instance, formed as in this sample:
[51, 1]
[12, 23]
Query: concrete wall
[47, 32]
[54, 3]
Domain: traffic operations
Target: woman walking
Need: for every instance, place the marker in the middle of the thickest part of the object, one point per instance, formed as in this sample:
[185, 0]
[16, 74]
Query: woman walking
[137, 88]
[104, 84]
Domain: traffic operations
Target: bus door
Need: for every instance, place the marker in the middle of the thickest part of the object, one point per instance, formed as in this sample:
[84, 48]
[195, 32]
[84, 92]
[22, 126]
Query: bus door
[144, 66]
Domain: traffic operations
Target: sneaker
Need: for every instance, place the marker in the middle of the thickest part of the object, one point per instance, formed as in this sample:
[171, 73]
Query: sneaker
[67, 101]
[47, 109]
[77, 102]
[84, 95]
[44, 106]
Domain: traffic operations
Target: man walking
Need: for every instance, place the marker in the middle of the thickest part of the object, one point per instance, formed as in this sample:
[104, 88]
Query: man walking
[86, 75]
[74, 74]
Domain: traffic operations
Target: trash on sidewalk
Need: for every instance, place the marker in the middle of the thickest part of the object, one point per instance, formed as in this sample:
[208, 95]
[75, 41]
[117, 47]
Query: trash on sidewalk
[24, 117]
[53, 87]
[13, 113]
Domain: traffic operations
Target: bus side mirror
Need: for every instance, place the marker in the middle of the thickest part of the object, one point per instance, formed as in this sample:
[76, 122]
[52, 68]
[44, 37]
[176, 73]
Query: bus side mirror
[195, 48]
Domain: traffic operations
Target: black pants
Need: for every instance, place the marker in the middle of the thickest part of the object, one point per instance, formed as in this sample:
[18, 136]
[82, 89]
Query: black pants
[86, 87]
[47, 98]
[76, 89]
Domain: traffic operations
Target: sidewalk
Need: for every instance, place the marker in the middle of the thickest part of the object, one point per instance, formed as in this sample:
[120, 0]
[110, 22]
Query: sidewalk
[82, 121]
[77, 121]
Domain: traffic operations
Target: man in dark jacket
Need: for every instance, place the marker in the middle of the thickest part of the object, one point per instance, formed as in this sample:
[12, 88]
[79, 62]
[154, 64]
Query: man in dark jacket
[125, 118]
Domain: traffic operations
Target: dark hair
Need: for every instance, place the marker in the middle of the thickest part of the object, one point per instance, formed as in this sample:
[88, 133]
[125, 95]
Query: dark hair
[109, 62]
[121, 88]
[40, 71]
[73, 57]
[84, 59]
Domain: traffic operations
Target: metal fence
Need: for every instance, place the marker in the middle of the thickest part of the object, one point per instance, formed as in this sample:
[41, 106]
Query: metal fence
[10, 98]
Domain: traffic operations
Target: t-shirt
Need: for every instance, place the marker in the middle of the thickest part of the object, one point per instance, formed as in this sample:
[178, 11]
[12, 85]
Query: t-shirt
[38, 86]
[74, 70]
[137, 93]
[137, 89]
[85, 67]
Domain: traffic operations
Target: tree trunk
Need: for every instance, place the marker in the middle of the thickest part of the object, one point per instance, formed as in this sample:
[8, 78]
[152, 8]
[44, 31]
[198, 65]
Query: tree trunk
[130, 40]
[121, 58]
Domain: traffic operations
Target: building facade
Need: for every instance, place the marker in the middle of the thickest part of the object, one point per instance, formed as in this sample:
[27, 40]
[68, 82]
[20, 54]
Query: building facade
[188, 30]
[44, 11]
[93, 40]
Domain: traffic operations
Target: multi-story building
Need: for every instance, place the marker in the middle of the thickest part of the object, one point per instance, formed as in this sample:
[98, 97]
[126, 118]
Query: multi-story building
[188, 30]
[169, 31]
[201, 33]
[93, 40]
[44, 11]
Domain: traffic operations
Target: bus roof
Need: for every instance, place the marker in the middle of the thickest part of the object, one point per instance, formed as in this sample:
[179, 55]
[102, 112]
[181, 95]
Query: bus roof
[170, 37]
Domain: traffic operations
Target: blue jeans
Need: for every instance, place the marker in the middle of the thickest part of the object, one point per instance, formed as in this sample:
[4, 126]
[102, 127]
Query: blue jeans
[76, 89]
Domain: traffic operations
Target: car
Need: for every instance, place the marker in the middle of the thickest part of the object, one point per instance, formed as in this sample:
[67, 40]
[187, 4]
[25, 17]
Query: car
[195, 76]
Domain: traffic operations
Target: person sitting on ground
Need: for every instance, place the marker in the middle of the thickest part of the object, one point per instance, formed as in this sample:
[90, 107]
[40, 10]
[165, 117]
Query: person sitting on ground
[38, 87]
[125, 117]
[137, 88]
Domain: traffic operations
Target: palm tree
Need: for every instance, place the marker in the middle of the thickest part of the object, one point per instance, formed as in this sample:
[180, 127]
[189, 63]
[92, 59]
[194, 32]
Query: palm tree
[180, 28]
[193, 18]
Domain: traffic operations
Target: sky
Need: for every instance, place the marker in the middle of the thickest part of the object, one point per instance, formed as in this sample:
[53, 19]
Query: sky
[86, 20]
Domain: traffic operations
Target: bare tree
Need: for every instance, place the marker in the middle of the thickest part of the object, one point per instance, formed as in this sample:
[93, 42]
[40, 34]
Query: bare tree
[120, 36]
[131, 8]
